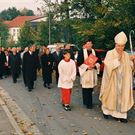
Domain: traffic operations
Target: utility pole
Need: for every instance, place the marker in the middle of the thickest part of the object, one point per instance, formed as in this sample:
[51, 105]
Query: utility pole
[49, 23]
[0, 42]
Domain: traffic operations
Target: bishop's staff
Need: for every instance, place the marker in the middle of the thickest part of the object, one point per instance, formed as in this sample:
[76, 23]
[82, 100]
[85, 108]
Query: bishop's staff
[130, 41]
[131, 49]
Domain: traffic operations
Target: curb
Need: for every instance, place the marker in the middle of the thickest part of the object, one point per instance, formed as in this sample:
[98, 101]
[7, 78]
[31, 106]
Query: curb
[22, 124]
[11, 119]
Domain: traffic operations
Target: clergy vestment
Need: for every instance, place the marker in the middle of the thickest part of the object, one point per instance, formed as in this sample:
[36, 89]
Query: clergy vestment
[67, 75]
[88, 78]
[116, 92]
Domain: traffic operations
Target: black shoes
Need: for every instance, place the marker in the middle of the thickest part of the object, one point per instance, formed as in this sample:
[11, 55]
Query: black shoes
[1, 78]
[123, 120]
[67, 107]
[14, 81]
[47, 86]
[105, 116]
[89, 107]
[29, 90]
[117, 119]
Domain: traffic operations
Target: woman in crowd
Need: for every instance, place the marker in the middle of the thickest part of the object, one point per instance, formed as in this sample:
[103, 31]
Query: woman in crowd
[47, 63]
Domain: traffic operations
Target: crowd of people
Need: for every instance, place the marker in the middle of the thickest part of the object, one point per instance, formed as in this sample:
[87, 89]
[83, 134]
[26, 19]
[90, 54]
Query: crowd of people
[116, 94]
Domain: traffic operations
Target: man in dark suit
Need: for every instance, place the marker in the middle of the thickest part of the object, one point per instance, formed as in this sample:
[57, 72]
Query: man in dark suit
[2, 62]
[6, 66]
[29, 66]
[56, 60]
[14, 63]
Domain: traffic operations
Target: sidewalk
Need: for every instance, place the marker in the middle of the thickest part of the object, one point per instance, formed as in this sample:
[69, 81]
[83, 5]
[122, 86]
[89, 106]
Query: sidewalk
[6, 127]
[16, 118]
[42, 106]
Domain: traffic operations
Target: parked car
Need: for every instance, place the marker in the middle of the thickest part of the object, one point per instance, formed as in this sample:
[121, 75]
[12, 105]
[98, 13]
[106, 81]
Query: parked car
[52, 48]
[101, 54]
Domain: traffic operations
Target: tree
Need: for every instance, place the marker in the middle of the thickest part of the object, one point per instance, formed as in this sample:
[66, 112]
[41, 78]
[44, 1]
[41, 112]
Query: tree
[107, 19]
[9, 14]
[3, 34]
[78, 20]
[116, 19]
[42, 37]
[27, 35]
[26, 12]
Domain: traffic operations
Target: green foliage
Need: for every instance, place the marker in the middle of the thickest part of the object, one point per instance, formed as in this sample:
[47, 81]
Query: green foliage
[76, 21]
[27, 35]
[11, 13]
[107, 19]
[3, 34]
[26, 12]
[42, 38]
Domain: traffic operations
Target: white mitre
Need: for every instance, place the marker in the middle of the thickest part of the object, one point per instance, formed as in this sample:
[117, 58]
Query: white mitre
[121, 38]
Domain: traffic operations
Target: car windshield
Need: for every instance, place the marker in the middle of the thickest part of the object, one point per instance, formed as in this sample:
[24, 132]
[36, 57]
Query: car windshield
[52, 48]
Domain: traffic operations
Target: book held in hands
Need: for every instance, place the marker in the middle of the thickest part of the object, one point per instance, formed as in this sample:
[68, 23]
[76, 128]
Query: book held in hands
[91, 60]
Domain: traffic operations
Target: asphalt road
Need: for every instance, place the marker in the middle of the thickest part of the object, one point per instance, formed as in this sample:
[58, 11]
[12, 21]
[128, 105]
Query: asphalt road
[43, 107]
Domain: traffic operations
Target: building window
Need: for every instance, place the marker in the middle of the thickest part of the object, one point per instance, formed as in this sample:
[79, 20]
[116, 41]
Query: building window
[14, 32]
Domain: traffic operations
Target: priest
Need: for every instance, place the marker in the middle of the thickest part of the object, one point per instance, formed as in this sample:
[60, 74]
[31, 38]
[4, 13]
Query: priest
[116, 92]
[88, 73]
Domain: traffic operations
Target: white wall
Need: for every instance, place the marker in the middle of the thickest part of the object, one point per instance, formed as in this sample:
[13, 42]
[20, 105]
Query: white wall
[14, 33]
[39, 20]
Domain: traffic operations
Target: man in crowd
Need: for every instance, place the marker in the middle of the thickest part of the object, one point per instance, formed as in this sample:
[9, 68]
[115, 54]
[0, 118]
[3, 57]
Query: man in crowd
[2, 62]
[56, 60]
[29, 67]
[68, 48]
[6, 66]
[14, 63]
[88, 73]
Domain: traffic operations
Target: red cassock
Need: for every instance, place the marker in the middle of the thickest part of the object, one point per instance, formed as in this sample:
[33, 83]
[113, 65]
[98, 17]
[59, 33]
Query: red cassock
[66, 95]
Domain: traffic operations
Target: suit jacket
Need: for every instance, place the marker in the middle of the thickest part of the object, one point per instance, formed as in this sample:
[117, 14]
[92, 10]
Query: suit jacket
[2, 58]
[2, 61]
[80, 58]
[14, 62]
[56, 60]
[47, 68]
[29, 66]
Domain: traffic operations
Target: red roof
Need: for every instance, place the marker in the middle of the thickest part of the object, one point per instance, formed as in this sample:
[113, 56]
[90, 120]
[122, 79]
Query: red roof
[7, 22]
[20, 20]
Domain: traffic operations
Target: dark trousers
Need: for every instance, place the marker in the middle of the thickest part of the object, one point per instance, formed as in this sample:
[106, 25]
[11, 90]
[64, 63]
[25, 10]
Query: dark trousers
[24, 78]
[57, 75]
[1, 75]
[87, 96]
[6, 71]
[14, 76]
[30, 83]
[1, 72]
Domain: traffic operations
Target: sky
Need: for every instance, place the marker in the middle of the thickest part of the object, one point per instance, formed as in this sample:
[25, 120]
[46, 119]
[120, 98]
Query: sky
[20, 4]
